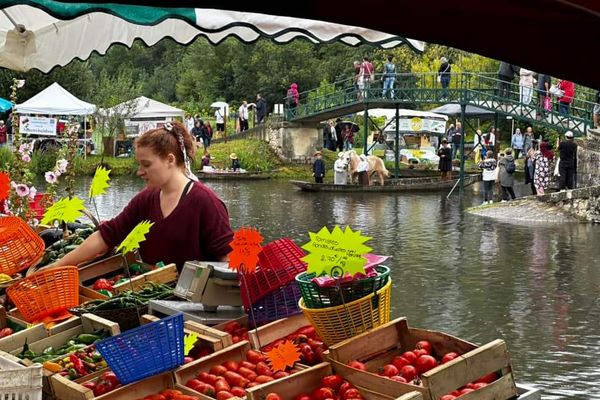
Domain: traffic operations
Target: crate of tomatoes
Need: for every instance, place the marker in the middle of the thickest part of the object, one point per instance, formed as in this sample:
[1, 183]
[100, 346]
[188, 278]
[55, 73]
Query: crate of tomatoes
[435, 364]
[228, 373]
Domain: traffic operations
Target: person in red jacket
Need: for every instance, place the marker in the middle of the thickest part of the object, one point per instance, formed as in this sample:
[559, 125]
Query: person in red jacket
[564, 102]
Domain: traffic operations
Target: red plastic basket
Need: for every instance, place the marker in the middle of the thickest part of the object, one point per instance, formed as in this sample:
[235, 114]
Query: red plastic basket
[37, 205]
[278, 264]
[20, 246]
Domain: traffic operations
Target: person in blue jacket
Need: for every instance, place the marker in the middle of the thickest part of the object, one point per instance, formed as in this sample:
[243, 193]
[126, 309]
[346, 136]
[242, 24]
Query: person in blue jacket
[318, 168]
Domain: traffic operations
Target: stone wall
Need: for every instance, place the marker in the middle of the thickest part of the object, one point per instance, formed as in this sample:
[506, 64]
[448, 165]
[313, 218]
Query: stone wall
[583, 203]
[588, 163]
[293, 142]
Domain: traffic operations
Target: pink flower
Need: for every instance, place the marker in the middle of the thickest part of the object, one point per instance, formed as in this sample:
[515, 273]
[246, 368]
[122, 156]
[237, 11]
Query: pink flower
[50, 177]
[32, 192]
[22, 190]
[26, 158]
[61, 165]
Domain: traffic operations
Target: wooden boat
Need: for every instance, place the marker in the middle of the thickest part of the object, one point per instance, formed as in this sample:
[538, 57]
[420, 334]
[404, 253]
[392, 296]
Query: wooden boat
[427, 184]
[227, 175]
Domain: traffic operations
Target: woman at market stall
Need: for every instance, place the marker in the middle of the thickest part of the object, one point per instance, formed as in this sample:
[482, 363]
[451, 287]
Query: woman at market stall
[190, 221]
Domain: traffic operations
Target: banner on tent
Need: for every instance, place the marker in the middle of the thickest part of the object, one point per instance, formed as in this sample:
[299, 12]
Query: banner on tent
[417, 124]
[37, 125]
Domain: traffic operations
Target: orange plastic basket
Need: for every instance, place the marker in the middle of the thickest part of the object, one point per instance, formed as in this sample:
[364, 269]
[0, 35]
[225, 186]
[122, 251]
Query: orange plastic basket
[46, 293]
[20, 246]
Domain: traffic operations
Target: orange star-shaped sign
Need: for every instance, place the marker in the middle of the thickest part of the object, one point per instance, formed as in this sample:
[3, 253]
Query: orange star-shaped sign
[4, 185]
[283, 356]
[246, 248]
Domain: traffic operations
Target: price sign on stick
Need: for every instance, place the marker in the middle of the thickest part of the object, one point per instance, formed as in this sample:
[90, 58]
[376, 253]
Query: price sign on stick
[100, 182]
[64, 210]
[246, 248]
[135, 237]
[283, 356]
[336, 253]
[188, 343]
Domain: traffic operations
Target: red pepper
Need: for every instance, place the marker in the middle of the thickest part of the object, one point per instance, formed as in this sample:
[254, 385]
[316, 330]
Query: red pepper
[78, 365]
[103, 284]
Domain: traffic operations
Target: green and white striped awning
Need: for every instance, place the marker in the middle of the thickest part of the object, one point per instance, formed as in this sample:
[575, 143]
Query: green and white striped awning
[41, 34]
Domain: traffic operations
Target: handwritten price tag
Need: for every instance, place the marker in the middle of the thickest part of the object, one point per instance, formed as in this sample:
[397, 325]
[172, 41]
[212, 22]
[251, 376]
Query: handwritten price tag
[336, 253]
[246, 248]
[135, 237]
[283, 356]
[64, 210]
[100, 182]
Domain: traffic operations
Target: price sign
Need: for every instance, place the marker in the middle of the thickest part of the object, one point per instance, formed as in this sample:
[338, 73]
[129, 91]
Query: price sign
[337, 252]
[188, 342]
[246, 248]
[64, 210]
[100, 182]
[135, 237]
[283, 356]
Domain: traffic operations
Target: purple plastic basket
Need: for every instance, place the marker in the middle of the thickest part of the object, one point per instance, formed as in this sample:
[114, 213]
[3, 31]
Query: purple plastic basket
[278, 304]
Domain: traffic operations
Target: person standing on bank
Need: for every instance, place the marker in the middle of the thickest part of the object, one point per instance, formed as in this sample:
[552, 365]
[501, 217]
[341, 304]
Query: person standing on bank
[567, 166]
[517, 142]
[220, 120]
[490, 173]
[445, 164]
[341, 170]
[190, 221]
[318, 168]
[506, 170]
[363, 171]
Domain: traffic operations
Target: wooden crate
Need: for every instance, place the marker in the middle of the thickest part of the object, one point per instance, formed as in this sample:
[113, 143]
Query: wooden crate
[377, 347]
[16, 315]
[306, 381]
[67, 390]
[215, 343]
[268, 333]
[17, 339]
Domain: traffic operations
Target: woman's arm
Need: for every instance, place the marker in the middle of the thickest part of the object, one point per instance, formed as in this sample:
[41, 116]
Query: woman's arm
[91, 248]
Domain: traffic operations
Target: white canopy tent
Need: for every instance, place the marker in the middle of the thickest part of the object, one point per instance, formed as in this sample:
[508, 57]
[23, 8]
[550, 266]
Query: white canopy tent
[55, 100]
[146, 108]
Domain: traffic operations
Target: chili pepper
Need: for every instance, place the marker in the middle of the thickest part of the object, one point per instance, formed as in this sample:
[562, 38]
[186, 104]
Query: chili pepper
[48, 350]
[88, 338]
[102, 284]
[73, 374]
[78, 365]
[105, 292]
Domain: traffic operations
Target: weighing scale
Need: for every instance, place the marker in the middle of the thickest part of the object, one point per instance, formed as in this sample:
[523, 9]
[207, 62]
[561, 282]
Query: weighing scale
[211, 293]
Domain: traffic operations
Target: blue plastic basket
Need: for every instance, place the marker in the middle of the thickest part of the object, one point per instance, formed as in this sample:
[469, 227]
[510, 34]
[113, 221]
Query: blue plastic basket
[281, 303]
[145, 351]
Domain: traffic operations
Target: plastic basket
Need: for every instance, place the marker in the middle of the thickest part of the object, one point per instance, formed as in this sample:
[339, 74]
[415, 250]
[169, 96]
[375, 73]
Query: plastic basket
[37, 204]
[278, 264]
[18, 382]
[145, 351]
[46, 294]
[338, 323]
[278, 304]
[316, 296]
[20, 246]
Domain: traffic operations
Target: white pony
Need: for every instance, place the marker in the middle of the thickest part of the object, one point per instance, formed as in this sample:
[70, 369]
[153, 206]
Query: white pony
[376, 165]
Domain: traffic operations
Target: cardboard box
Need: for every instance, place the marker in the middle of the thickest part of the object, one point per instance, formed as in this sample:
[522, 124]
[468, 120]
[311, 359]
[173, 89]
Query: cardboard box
[377, 347]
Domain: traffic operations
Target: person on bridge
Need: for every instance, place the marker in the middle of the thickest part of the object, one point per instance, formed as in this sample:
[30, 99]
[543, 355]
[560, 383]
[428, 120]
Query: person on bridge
[516, 142]
[543, 90]
[564, 102]
[567, 166]
[367, 74]
[318, 168]
[506, 74]
[444, 76]
[389, 77]
[292, 97]
[526, 81]
[261, 109]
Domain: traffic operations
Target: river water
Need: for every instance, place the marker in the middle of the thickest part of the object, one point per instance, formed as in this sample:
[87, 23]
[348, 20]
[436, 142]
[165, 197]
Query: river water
[536, 287]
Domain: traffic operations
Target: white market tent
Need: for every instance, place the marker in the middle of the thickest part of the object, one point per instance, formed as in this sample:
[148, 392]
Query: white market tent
[55, 100]
[150, 109]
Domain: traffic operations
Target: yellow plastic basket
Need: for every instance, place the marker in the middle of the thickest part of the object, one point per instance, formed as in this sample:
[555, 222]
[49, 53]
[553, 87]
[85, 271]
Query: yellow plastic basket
[334, 324]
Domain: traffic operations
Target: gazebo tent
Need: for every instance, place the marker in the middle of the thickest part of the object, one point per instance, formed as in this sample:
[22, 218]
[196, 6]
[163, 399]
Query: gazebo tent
[55, 100]
[453, 110]
[151, 109]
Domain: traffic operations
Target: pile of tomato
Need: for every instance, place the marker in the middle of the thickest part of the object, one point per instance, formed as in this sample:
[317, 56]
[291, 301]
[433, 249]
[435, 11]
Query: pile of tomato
[5, 332]
[332, 387]
[237, 332]
[170, 394]
[408, 367]
[231, 378]
[107, 382]
[310, 345]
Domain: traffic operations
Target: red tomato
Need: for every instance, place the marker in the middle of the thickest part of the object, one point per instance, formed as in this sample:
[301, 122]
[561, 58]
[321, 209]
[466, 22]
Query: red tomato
[155, 397]
[410, 356]
[231, 365]
[232, 326]
[357, 365]
[235, 379]
[254, 356]
[400, 362]
[224, 395]
[170, 393]
[345, 386]
[425, 345]
[447, 397]
[332, 381]
[352, 394]
[308, 330]
[6, 332]
[425, 363]
[398, 378]
[280, 374]
[187, 360]
[420, 352]
[489, 378]
[222, 385]
[238, 391]
[264, 379]
[184, 397]
[479, 385]
[235, 339]
[252, 384]
[193, 382]
[303, 396]
[322, 393]
[273, 396]
[111, 378]
[388, 370]
[218, 370]
[263, 369]
[245, 372]
[102, 388]
[247, 364]
[466, 390]
[408, 372]
[449, 357]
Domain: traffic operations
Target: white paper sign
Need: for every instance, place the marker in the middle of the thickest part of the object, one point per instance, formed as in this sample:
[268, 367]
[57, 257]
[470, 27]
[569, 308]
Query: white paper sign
[37, 126]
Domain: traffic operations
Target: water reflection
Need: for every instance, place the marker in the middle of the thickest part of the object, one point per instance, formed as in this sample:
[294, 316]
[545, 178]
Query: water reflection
[535, 287]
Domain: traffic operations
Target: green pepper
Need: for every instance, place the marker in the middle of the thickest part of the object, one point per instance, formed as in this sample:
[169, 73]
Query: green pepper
[72, 374]
[48, 350]
[135, 268]
[42, 359]
[105, 292]
[160, 264]
[87, 338]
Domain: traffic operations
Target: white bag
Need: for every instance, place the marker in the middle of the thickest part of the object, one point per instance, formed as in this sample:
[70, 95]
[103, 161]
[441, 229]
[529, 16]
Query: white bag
[554, 90]
[439, 78]
[556, 167]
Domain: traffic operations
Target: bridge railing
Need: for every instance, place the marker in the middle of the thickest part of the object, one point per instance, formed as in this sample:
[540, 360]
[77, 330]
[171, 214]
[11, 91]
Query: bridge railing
[410, 89]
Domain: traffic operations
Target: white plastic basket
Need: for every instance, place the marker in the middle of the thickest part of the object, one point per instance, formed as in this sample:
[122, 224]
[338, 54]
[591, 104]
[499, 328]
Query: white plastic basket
[18, 382]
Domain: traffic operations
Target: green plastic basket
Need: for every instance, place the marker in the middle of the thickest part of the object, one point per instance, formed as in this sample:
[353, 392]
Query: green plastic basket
[315, 296]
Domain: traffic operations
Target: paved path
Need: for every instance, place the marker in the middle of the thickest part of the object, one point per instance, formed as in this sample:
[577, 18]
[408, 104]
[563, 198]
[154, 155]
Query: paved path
[525, 210]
